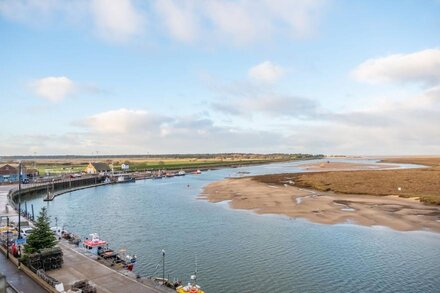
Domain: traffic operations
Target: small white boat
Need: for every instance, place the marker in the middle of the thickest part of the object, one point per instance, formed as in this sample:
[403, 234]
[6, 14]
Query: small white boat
[125, 179]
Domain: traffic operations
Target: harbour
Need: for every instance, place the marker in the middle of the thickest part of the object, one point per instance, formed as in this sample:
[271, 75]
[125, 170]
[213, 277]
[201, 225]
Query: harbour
[239, 246]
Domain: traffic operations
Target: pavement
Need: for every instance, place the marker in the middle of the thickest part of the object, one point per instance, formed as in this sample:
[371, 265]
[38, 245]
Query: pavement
[77, 267]
[14, 276]
[5, 208]
[17, 278]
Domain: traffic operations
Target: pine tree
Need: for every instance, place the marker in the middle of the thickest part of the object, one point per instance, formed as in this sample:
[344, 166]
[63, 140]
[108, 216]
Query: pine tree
[41, 236]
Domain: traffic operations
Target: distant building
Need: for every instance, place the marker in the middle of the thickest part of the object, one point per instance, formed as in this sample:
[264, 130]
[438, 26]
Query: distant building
[32, 173]
[96, 168]
[125, 167]
[9, 173]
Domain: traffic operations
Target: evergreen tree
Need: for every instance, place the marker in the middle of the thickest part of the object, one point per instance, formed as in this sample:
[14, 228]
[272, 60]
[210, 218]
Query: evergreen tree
[41, 236]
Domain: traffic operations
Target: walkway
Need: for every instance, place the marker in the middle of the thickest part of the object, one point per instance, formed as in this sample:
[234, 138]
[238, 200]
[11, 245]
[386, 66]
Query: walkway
[77, 266]
[17, 278]
[9, 211]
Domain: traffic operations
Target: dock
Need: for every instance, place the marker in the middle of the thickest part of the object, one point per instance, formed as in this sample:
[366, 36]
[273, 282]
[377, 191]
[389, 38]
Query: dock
[78, 266]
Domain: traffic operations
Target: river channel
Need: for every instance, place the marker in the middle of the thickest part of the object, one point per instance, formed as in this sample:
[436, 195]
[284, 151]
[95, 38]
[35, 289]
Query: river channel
[240, 251]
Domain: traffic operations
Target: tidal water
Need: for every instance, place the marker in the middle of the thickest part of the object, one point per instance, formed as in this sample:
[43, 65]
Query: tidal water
[240, 251]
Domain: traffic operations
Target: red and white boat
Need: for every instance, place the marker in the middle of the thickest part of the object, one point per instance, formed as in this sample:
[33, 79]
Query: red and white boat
[95, 245]
[99, 247]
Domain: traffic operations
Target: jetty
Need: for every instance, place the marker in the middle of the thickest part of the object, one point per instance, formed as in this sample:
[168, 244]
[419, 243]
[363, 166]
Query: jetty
[78, 266]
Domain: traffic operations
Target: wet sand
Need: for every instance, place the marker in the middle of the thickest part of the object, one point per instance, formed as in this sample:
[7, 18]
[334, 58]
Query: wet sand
[343, 166]
[404, 214]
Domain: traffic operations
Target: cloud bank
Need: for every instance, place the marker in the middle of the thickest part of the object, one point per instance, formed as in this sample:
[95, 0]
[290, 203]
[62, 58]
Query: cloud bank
[224, 22]
[421, 67]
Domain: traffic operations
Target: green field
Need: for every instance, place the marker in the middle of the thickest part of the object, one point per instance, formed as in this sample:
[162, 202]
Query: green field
[59, 166]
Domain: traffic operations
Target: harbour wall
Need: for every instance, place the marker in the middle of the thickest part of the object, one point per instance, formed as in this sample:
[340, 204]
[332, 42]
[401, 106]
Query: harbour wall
[54, 187]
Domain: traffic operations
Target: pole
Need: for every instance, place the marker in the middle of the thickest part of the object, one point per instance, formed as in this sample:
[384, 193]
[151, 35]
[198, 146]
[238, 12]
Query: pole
[7, 238]
[163, 266]
[32, 206]
[25, 209]
[19, 200]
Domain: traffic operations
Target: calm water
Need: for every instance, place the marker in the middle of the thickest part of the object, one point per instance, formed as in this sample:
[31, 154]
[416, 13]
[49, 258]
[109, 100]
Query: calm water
[239, 251]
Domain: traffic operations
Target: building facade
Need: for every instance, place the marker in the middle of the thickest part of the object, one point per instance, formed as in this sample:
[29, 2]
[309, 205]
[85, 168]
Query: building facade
[97, 168]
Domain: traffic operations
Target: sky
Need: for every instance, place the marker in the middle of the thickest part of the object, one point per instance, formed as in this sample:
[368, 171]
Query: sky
[209, 76]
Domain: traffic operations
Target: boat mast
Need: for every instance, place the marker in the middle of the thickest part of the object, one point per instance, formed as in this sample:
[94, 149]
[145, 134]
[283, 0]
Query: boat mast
[163, 266]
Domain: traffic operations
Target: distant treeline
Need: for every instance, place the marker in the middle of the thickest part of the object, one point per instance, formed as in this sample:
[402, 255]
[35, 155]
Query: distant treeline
[170, 156]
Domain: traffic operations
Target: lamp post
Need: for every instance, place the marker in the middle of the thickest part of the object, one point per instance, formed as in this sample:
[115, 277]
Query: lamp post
[19, 200]
[7, 238]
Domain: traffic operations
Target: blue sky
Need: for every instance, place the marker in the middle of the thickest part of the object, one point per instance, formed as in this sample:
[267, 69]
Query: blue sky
[168, 76]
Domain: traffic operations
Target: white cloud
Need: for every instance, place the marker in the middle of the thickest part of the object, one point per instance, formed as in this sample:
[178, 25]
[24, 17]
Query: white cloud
[238, 22]
[117, 20]
[53, 89]
[22, 10]
[140, 131]
[407, 126]
[178, 18]
[123, 121]
[209, 23]
[419, 67]
[273, 105]
[266, 71]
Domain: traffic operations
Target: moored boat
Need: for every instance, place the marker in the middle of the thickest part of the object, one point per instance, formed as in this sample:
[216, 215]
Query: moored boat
[95, 245]
[125, 179]
[181, 173]
[192, 287]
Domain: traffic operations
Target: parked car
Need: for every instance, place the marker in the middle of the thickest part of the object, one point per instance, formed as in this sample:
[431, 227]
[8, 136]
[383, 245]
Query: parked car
[25, 231]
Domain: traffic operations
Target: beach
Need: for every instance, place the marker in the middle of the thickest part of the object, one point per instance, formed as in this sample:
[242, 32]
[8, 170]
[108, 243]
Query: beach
[326, 207]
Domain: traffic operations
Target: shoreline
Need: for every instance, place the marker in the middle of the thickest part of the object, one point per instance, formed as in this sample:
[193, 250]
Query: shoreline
[324, 207]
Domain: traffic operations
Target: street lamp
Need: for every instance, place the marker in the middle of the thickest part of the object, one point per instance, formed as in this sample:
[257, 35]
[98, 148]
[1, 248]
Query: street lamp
[19, 200]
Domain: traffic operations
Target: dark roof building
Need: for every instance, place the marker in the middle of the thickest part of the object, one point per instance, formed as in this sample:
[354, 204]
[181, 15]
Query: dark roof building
[8, 170]
[94, 168]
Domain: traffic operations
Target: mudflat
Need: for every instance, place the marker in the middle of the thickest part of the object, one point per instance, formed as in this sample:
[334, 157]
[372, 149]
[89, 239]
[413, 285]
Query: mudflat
[289, 195]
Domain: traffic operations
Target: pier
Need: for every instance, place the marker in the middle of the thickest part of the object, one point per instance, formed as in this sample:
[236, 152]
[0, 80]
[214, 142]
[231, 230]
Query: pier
[78, 266]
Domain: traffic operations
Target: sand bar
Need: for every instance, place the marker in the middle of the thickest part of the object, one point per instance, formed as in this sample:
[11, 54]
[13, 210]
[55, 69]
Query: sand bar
[340, 166]
[404, 214]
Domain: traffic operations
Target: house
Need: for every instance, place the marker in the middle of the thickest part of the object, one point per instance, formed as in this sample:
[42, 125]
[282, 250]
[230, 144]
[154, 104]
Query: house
[125, 167]
[32, 173]
[9, 173]
[96, 168]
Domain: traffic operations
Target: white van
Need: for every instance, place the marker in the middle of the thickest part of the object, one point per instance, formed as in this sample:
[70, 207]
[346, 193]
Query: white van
[25, 231]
